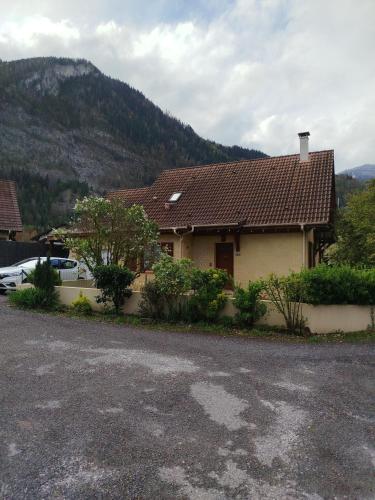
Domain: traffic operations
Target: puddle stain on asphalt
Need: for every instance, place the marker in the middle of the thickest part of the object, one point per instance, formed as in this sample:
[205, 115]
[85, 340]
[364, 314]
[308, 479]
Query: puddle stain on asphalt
[221, 406]
[160, 364]
[282, 434]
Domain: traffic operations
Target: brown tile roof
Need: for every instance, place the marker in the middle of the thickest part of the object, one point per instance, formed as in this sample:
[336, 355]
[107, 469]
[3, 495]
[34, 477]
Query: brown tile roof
[10, 218]
[264, 192]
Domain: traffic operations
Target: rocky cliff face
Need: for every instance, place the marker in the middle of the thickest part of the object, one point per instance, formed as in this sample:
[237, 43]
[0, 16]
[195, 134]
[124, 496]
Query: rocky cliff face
[46, 80]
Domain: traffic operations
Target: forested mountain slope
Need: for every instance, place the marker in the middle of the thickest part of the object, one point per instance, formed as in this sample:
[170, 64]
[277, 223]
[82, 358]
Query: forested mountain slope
[64, 119]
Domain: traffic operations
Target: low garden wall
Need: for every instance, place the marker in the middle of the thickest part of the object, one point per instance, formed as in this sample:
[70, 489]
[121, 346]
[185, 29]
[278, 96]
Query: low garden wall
[319, 319]
[69, 294]
[79, 283]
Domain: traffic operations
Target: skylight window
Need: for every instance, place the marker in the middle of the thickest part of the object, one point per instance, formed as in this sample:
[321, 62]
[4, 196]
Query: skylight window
[175, 197]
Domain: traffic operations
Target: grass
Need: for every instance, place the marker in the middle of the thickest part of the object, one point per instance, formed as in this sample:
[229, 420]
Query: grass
[260, 332]
[363, 336]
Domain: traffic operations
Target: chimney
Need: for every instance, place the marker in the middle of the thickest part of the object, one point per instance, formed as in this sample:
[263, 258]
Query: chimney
[304, 146]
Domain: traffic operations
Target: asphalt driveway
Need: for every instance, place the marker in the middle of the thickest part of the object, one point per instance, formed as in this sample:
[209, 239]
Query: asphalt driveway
[90, 410]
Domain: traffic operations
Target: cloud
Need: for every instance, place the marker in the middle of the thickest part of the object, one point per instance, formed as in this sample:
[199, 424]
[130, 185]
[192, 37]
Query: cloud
[250, 72]
[30, 31]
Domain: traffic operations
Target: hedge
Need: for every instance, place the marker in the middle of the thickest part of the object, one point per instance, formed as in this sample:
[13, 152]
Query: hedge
[325, 284]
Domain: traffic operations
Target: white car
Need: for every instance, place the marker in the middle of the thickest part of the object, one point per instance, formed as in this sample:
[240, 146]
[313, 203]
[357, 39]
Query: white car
[16, 274]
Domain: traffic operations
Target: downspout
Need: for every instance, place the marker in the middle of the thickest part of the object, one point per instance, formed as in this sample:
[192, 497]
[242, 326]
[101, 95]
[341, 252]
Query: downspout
[303, 245]
[181, 236]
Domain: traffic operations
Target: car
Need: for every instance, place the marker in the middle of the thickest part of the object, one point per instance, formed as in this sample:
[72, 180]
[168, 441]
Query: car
[17, 273]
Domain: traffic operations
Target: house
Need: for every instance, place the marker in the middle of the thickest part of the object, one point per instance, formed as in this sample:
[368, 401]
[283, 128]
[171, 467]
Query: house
[53, 243]
[10, 218]
[250, 217]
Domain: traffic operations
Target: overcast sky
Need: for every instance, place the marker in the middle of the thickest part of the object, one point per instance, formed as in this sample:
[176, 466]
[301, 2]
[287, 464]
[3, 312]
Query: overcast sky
[247, 72]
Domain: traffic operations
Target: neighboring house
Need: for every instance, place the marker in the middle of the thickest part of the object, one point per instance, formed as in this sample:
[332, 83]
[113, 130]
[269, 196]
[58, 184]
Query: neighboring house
[54, 244]
[251, 217]
[10, 218]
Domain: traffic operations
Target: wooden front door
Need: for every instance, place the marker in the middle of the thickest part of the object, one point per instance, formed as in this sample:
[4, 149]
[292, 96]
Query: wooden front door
[224, 257]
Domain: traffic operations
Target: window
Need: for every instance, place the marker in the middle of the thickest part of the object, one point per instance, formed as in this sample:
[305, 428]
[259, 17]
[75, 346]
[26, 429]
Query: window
[31, 264]
[175, 197]
[68, 264]
[151, 255]
[25, 261]
[133, 265]
[167, 247]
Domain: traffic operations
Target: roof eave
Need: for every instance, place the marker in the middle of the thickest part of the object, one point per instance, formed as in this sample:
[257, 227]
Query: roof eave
[231, 225]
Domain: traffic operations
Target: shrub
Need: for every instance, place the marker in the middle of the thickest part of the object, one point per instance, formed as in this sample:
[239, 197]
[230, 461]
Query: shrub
[248, 303]
[114, 281]
[338, 285]
[166, 297]
[152, 304]
[82, 305]
[44, 276]
[285, 294]
[34, 298]
[226, 321]
[208, 297]
[173, 279]
[173, 276]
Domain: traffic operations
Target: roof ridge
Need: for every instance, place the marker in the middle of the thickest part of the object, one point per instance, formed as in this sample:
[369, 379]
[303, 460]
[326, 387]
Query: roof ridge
[128, 189]
[8, 180]
[236, 162]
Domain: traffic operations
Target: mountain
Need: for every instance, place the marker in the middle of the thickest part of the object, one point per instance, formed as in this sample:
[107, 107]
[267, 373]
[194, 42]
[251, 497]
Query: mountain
[346, 185]
[362, 173]
[352, 181]
[67, 129]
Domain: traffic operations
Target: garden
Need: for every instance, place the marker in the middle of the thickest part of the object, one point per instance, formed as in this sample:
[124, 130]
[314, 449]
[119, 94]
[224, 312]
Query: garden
[117, 243]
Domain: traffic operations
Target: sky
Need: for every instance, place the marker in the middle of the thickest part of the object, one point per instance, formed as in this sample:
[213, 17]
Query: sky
[246, 72]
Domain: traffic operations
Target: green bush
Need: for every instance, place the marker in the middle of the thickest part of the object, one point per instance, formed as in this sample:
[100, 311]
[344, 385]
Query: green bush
[226, 321]
[248, 303]
[34, 298]
[44, 276]
[208, 297]
[285, 293]
[173, 276]
[167, 296]
[152, 304]
[338, 285]
[43, 296]
[82, 305]
[173, 279]
[114, 282]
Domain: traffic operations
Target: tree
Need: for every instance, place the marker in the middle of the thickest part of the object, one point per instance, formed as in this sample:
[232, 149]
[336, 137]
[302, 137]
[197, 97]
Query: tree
[356, 230]
[346, 185]
[107, 232]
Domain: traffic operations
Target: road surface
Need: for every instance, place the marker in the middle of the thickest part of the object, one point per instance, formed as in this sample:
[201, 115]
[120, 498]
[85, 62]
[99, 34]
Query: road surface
[93, 410]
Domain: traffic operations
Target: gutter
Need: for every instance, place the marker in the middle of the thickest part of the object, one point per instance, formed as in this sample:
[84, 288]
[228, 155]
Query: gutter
[249, 226]
[303, 245]
[197, 226]
[181, 236]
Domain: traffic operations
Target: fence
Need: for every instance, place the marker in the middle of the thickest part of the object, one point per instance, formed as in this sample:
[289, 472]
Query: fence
[15, 251]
